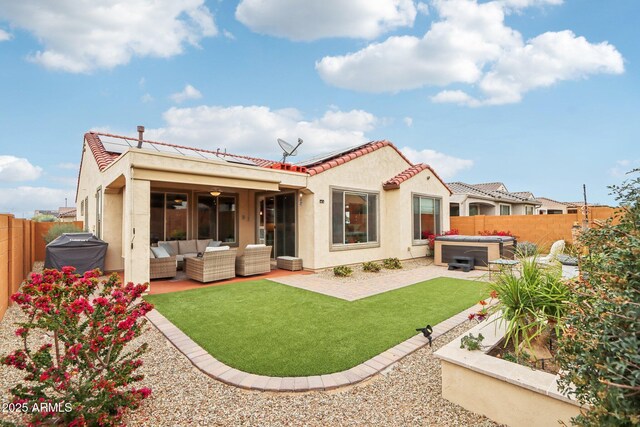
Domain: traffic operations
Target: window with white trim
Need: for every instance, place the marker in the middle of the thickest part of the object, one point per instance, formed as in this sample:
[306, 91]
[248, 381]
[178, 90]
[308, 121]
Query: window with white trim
[354, 217]
[426, 217]
[505, 209]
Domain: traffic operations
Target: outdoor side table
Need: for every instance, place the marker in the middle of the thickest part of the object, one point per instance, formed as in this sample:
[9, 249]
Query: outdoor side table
[502, 263]
[289, 263]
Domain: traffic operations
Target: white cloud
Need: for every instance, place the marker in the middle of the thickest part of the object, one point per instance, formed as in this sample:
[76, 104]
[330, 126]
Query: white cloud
[622, 167]
[316, 19]
[422, 8]
[22, 201]
[445, 166]
[4, 36]
[146, 98]
[408, 121]
[228, 34]
[253, 130]
[83, 36]
[470, 44]
[189, 92]
[14, 169]
[68, 165]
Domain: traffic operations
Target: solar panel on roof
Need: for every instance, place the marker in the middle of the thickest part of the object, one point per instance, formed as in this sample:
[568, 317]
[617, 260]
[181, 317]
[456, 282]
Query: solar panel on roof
[114, 147]
[238, 160]
[162, 148]
[323, 157]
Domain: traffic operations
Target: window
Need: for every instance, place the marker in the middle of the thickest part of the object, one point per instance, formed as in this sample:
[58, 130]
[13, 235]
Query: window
[169, 216]
[454, 209]
[217, 218]
[474, 210]
[86, 214]
[528, 210]
[354, 217]
[426, 217]
[505, 209]
[98, 231]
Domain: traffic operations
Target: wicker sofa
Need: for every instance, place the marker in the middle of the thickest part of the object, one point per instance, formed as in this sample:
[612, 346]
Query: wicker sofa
[161, 268]
[214, 265]
[255, 260]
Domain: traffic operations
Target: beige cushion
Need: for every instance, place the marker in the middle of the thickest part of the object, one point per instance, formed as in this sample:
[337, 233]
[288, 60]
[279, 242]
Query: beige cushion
[187, 246]
[217, 248]
[171, 246]
[202, 244]
[261, 245]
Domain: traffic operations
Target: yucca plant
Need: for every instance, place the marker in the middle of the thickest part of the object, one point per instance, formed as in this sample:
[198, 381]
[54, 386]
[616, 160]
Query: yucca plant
[530, 301]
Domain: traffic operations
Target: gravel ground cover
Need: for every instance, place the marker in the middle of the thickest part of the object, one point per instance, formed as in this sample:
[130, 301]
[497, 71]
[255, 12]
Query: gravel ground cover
[359, 274]
[406, 395]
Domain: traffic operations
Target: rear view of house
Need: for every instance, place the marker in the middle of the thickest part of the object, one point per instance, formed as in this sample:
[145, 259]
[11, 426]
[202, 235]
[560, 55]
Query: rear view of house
[361, 204]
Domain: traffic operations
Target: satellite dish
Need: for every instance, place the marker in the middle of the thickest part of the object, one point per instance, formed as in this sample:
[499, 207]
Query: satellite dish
[288, 149]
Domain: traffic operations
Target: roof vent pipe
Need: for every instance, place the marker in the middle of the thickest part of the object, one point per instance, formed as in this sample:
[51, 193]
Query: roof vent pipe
[140, 133]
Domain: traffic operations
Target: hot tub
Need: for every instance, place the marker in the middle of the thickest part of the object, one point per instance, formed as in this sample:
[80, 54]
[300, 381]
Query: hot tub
[482, 248]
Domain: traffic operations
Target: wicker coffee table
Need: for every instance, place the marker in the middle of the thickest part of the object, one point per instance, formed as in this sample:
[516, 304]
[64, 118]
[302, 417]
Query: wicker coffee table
[289, 263]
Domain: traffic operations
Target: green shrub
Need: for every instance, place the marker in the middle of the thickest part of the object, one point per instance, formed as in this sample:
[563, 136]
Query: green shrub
[391, 264]
[526, 249]
[471, 343]
[599, 350]
[59, 229]
[530, 300]
[44, 218]
[342, 271]
[372, 267]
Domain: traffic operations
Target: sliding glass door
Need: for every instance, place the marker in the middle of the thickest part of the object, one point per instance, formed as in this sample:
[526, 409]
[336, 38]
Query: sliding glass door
[277, 223]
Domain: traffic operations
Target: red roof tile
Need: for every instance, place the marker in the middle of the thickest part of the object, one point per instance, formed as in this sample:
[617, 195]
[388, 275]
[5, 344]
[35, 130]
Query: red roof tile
[409, 173]
[347, 156]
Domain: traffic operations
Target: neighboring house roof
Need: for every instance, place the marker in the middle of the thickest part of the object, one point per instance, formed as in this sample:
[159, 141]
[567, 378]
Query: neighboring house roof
[550, 203]
[490, 186]
[485, 191]
[67, 213]
[104, 158]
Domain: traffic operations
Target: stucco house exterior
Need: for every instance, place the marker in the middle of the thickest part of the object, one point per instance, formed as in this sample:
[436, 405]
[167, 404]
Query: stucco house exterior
[361, 204]
[490, 198]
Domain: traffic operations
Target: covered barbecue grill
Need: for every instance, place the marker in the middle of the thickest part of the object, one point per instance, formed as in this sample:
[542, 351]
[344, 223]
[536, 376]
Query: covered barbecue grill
[84, 251]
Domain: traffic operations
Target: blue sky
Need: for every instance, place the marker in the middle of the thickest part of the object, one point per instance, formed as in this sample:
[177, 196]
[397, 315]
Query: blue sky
[542, 95]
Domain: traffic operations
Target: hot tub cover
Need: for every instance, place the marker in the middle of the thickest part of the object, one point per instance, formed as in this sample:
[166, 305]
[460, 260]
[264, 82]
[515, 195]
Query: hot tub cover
[485, 239]
[84, 251]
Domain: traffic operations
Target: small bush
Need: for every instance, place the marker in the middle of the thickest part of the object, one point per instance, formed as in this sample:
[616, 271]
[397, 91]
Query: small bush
[497, 233]
[44, 218]
[59, 229]
[471, 343]
[391, 264]
[526, 249]
[84, 363]
[342, 271]
[372, 267]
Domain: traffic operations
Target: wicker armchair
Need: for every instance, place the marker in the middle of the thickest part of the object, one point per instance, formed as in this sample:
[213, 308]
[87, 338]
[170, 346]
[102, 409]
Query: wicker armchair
[217, 265]
[255, 260]
[160, 268]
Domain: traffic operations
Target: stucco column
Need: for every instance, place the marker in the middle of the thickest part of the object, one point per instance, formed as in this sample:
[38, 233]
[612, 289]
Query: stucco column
[136, 231]
[112, 229]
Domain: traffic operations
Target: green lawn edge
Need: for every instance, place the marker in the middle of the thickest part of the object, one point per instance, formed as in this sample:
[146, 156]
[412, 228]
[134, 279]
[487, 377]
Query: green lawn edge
[267, 328]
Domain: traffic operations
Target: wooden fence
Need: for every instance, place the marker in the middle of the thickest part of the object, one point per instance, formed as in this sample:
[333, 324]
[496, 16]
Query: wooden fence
[542, 230]
[21, 244]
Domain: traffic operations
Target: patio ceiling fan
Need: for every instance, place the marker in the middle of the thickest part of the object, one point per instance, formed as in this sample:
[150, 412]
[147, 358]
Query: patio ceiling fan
[288, 149]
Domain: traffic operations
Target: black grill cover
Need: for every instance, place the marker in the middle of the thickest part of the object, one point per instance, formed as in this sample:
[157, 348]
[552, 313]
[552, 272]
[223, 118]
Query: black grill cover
[84, 251]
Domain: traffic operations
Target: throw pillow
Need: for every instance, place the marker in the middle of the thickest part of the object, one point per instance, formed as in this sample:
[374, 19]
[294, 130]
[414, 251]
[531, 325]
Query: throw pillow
[202, 244]
[160, 252]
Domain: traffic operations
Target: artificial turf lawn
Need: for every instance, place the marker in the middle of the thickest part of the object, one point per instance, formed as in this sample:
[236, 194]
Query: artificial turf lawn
[267, 328]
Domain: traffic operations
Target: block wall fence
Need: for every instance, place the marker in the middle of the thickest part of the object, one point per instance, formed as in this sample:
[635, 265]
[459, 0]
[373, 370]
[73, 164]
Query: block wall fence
[542, 230]
[21, 244]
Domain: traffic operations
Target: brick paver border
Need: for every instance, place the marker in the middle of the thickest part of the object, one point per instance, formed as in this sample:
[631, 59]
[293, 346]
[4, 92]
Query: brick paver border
[212, 367]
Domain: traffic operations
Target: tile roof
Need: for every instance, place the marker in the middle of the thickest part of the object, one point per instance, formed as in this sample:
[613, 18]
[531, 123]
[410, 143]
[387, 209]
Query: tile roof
[489, 186]
[479, 190]
[105, 158]
[406, 174]
[346, 156]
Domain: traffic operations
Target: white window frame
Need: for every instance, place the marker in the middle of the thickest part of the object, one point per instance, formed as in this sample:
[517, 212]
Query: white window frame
[346, 246]
[423, 196]
[504, 205]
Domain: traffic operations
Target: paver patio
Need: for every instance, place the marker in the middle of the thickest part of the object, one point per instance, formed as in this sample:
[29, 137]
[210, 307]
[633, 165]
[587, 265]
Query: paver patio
[376, 284]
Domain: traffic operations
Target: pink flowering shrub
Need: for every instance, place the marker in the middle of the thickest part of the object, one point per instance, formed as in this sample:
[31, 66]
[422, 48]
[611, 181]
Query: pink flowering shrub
[83, 376]
[432, 237]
